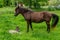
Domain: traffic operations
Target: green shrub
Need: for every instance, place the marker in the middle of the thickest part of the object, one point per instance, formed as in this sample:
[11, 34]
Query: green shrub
[51, 8]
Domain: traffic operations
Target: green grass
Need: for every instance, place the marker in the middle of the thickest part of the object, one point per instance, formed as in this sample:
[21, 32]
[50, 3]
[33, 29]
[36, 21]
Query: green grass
[8, 21]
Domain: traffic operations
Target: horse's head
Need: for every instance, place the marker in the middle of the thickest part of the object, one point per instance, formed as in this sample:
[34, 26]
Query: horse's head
[20, 10]
[17, 11]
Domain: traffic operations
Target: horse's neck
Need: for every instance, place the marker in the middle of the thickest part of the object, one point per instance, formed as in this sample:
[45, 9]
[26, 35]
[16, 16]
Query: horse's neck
[26, 15]
[25, 10]
[23, 14]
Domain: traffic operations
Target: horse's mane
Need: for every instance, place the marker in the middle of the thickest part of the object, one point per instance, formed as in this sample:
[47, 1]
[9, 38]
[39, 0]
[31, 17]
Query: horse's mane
[25, 8]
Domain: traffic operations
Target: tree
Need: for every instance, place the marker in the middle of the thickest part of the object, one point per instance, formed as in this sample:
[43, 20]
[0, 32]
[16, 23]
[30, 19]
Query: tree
[1, 3]
[34, 3]
[29, 3]
[7, 2]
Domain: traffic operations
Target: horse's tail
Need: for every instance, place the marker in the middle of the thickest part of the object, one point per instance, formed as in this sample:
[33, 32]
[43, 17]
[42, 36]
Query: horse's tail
[54, 20]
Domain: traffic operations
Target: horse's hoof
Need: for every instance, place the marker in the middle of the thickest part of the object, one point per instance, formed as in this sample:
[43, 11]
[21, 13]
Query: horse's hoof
[48, 31]
[32, 29]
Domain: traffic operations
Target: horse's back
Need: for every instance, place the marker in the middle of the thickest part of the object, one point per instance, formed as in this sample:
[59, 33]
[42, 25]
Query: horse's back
[47, 16]
[37, 16]
[40, 16]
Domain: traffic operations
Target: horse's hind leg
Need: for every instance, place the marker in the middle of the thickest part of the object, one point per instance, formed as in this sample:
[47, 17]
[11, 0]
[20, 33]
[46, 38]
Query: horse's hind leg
[48, 26]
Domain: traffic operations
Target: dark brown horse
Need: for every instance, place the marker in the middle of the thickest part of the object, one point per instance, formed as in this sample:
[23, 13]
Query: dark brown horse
[36, 17]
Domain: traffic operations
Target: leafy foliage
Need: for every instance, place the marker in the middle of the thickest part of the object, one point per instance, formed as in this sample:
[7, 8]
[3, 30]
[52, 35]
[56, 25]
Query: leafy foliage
[1, 3]
[30, 3]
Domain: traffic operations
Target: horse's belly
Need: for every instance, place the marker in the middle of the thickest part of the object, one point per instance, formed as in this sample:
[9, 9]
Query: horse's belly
[37, 21]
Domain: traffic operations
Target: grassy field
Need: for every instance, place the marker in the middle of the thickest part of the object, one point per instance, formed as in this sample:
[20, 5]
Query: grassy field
[8, 22]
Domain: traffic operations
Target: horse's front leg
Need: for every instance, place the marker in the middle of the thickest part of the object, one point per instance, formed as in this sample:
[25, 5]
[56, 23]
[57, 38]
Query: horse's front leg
[28, 26]
[48, 26]
[31, 25]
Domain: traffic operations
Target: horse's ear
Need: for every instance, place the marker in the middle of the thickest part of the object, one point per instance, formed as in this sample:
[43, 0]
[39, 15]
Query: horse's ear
[20, 4]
